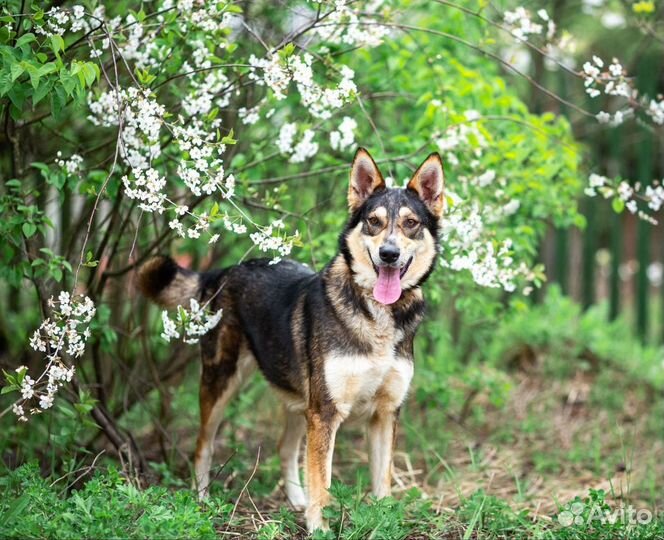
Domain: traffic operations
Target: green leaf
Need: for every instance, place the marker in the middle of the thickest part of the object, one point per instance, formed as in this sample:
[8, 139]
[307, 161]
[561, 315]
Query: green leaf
[5, 34]
[212, 114]
[228, 139]
[57, 44]
[91, 73]
[42, 91]
[67, 80]
[618, 205]
[5, 82]
[144, 76]
[16, 109]
[47, 68]
[89, 260]
[29, 229]
[16, 71]
[286, 50]
[33, 71]
[25, 39]
[58, 100]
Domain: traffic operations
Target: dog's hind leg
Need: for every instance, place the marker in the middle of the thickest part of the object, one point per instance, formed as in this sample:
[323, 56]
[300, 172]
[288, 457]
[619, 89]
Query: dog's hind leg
[382, 430]
[289, 452]
[224, 370]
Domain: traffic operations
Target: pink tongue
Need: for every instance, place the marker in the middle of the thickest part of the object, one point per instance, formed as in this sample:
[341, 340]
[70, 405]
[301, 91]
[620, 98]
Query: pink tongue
[388, 287]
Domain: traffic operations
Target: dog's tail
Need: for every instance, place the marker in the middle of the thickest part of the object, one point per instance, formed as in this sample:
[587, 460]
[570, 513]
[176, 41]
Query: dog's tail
[163, 281]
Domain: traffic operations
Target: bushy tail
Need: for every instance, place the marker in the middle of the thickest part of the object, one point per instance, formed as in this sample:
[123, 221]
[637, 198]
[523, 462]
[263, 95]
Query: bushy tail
[161, 280]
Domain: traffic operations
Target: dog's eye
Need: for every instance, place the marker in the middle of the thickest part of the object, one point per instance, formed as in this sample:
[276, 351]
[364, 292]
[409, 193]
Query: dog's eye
[410, 223]
[374, 221]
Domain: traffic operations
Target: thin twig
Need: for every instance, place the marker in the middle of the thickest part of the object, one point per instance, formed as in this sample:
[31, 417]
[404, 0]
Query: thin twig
[230, 519]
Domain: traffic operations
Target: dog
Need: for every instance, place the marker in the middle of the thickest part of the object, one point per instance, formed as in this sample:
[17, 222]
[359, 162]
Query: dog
[335, 345]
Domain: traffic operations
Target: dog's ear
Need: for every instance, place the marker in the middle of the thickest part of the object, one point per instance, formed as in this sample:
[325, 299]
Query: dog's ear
[365, 179]
[429, 182]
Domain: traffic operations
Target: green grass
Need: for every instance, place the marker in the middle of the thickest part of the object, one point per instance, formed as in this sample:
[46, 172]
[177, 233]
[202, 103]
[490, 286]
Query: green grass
[108, 506]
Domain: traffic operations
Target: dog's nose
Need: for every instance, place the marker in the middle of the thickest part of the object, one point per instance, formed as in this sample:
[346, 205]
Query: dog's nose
[388, 253]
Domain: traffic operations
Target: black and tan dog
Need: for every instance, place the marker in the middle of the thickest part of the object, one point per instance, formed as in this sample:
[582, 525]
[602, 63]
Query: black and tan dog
[335, 345]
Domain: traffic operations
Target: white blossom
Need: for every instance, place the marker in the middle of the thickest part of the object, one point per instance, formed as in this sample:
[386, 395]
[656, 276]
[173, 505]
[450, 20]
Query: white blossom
[486, 178]
[655, 197]
[603, 117]
[354, 27]
[656, 111]
[269, 239]
[249, 116]
[277, 73]
[142, 120]
[625, 191]
[344, 136]
[305, 148]
[66, 333]
[511, 207]
[286, 138]
[71, 166]
[146, 186]
[193, 322]
[522, 25]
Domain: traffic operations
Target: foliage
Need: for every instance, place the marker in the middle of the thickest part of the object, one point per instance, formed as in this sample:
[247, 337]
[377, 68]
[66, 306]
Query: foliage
[172, 139]
[107, 506]
[569, 339]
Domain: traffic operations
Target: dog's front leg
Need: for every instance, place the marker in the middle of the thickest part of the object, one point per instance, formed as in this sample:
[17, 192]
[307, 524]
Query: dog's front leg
[321, 432]
[382, 428]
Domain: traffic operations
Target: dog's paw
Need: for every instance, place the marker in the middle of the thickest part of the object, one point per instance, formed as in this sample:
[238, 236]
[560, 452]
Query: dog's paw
[297, 498]
[201, 492]
[315, 521]
[322, 525]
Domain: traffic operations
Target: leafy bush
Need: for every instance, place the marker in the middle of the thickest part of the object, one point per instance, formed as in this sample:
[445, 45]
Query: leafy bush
[179, 133]
[567, 339]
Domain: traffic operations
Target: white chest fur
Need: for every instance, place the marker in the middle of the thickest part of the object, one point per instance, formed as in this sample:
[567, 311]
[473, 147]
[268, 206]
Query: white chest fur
[361, 384]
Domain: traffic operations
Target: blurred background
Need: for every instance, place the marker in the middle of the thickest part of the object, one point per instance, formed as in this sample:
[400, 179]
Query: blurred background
[615, 258]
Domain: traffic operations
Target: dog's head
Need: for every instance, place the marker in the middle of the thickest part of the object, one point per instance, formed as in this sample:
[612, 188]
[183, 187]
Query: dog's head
[390, 242]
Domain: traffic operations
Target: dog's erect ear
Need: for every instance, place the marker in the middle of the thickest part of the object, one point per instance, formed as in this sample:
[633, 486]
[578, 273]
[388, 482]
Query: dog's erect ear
[365, 179]
[429, 182]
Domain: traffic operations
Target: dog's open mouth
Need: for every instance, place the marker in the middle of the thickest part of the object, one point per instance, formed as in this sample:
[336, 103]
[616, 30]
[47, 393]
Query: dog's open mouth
[387, 289]
[404, 268]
